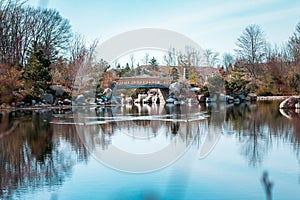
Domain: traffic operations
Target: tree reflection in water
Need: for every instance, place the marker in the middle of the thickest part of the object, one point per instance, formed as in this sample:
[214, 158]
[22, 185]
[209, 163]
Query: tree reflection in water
[35, 153]
[257, 127]
[137, 127]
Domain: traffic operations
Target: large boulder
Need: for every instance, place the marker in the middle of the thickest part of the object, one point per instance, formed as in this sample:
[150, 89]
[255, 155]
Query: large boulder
[80, 99]
[180, 90]
[174, 89]
[201, 98]
[289, 103]
[48, 98]
[67, 102]
[60, 90]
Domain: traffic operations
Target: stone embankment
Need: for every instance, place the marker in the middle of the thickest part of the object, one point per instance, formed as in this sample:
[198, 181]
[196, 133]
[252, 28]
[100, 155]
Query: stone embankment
[273, 98]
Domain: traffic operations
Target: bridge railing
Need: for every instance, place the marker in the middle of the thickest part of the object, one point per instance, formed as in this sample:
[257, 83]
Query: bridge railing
[143, 81]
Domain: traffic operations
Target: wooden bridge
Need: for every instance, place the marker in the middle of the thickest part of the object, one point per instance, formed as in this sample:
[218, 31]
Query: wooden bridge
[143, 82]
[147, 82]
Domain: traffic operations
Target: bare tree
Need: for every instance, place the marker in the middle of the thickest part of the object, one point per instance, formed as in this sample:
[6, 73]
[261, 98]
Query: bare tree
[211, 58]
[294, 44]
[83, 65]
[10, 31]
[51, 33]
[25, 30]
[170, 57]
[227, 60]
[189, 57]
[251, 48]
[132, 59]
[146, 59]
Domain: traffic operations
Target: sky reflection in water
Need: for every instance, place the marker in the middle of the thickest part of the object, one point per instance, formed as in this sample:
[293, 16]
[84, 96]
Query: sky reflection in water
[43, 160]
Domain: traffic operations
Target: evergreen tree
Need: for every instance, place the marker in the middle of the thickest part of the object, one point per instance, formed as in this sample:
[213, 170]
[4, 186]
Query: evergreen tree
[38, 71]
[174, 75]
[237, 84]
[153, 63]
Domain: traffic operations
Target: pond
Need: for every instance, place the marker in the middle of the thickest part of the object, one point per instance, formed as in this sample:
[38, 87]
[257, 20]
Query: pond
[215, 151]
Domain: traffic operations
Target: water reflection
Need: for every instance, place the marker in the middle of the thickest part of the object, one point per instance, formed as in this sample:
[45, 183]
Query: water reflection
[35, 153]
[267, 184]
[258, 127]
[145, 138]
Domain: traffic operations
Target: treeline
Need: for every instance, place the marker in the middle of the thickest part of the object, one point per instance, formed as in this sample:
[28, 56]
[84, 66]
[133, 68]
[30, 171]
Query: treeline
[26, 29]
[257, 66]
[37, 48]
[262, 68]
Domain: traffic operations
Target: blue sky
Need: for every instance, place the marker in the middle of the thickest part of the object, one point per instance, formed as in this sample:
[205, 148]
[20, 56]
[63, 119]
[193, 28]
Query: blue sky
[212, 24]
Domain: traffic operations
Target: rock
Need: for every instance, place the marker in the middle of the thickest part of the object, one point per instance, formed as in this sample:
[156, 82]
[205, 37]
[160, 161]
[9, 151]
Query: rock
[39, 104]
[242, 97]
[201, 98]
[89, 94]
[67, 102]
[33, 102]
[175, 89]
[251, 97]
[229, 99]
[171, 99]
[289, 103]
[80, 99]
[48, 98]
[20, 104]
[60, 90]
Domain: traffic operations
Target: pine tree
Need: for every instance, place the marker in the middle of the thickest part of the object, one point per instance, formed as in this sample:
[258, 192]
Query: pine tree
[174, 75]
[38, 71]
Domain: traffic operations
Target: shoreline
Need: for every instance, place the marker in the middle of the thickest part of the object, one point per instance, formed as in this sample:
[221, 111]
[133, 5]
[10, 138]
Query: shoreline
[275, 98]
[10, 109]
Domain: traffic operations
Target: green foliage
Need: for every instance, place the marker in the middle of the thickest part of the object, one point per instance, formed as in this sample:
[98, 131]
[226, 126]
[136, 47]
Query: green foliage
[215, 84]
[204, 91]
[126, 71]
[138, 71]
[174, 74]
[237, 83]
[153, 63]
[192, 80]
[38, 71]
[99, 90]
[193, 77]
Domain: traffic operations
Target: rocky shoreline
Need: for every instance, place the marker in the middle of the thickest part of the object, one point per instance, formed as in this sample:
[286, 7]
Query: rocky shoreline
[273, 98]
[6, 107]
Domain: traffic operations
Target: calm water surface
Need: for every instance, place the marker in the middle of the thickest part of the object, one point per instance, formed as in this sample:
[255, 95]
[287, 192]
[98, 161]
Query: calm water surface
[49, 154]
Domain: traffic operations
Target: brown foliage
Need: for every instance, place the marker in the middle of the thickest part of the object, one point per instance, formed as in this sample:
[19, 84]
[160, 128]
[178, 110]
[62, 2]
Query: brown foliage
[10, 83]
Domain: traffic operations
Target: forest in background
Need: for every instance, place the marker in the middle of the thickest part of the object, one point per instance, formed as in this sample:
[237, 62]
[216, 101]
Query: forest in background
[38, 49]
